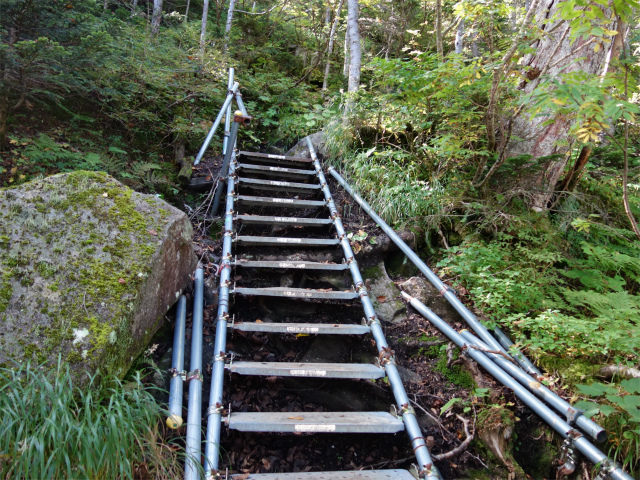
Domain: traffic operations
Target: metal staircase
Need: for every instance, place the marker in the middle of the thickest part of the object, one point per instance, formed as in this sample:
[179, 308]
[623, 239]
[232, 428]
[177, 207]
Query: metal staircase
[304, 194]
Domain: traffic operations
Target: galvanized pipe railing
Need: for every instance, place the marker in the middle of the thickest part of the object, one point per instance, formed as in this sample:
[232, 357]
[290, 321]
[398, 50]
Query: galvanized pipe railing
[573, 415]
[574, 439]
[214, 412]
[224, 171]
[517, 355]
[174, 420]
[426, 469]
[446, 291]
[216, 123]
[194, 379]
[227, 116]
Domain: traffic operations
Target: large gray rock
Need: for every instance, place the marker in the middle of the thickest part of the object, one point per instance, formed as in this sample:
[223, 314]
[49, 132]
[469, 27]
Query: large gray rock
[384, 295]
[88, 268]
[419, 288]
[301, 149]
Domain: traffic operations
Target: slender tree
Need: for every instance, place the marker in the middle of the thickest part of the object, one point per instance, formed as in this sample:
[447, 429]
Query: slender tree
[186, 11]
[203, 30]
[459, 44]
[332, 35]
[156, 17]
[439, 47]
[227, 28]
[355, 49]
[345, 66]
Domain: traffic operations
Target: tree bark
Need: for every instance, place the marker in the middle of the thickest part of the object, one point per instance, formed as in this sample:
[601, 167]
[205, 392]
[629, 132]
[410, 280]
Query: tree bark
[573, 176]
[332, 35]
[186, 11]
[533, 136]
[345, 66]
[439, 47]
[156, 17]
[203, 29]
[355, 50]
[459, 45]
[134, 4]
[227, 28]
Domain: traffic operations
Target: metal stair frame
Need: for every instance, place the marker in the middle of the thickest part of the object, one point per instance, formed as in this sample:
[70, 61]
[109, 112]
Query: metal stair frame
[214, 412]
[426, 469]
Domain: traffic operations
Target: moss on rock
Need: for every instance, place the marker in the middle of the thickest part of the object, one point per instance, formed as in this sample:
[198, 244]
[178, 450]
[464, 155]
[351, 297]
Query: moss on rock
[82, 270]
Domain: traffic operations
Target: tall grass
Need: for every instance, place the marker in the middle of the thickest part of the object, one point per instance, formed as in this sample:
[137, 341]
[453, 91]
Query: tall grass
[51, 429]
[396, 183]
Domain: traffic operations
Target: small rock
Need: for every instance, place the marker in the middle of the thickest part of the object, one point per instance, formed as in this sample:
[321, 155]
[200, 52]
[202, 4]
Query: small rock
[390, 308]
[408, 375]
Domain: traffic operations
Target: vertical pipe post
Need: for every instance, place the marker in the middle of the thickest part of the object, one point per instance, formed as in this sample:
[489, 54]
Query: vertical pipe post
[446, 291]
[227, 116]
[214, 412]
[426, 469]
[194, 379]
[216, 123]
[224, 171]
[174, 420]
[575, 438]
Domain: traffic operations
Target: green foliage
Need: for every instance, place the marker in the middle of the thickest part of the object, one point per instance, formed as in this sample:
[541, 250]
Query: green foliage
[553, 298]
[51, 429]
[618, 405]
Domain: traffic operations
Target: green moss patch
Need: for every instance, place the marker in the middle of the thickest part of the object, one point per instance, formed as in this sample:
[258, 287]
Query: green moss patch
[75, 250]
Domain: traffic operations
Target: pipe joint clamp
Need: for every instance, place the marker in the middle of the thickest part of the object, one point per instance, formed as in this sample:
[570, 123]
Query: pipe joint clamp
[195, 375]
[573, 414]
[216, 409]
[175, 372]
[386, 356]
[407, 409]
[426, 471]
[446, 289]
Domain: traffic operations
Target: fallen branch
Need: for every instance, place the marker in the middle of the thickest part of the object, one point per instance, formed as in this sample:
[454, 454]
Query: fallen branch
[460, 448]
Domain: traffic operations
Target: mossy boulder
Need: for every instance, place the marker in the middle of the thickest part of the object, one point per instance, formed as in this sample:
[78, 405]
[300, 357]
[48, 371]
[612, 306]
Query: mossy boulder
[88, 268]
[385, 296]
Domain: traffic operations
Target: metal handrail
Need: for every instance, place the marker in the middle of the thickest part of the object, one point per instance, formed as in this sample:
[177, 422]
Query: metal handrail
[574, 439]
[216, 123]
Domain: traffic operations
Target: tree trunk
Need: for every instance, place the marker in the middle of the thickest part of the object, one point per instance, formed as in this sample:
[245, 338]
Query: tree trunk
[573, 176]
[134, 4]
[227, 28]
[439, 47]
[345, 66]
[186, 11]
[203, 30]
[156, 17]
[355, 51]
[332, 35]
[106, 5]
[459, 37]
[534, 136]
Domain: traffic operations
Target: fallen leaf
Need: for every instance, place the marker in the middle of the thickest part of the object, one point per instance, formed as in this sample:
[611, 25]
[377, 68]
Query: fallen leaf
[259, 321]
[381, 299]
[122, 281]
[296, 418]
[105, 194]
[152, 232]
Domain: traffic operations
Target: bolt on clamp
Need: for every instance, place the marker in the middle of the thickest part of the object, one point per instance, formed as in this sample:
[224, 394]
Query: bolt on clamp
[214, 409]
[175, 372]
[194, 375]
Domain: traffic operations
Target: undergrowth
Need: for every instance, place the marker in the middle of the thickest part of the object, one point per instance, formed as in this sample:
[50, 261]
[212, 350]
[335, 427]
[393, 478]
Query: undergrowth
[51, 429]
